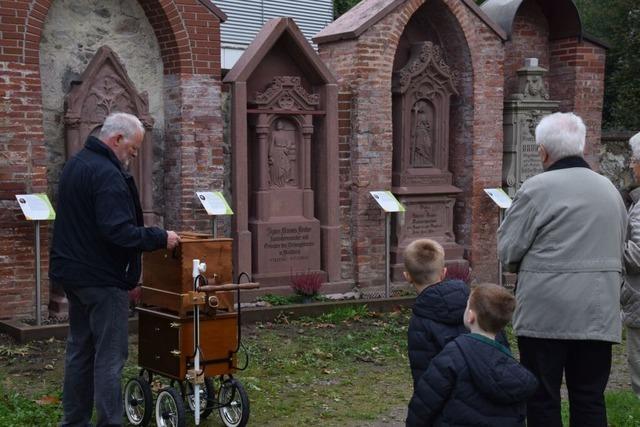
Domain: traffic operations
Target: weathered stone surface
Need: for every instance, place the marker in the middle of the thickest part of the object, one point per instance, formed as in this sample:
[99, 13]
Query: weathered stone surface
[71, 38]
[615, 156]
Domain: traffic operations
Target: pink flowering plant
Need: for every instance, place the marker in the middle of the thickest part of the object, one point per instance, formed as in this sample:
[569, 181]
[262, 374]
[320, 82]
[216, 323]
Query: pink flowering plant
[459, 271]
[306, 284]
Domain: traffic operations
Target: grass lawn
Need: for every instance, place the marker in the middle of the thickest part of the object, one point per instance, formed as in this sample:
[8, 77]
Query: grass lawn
[345, 368]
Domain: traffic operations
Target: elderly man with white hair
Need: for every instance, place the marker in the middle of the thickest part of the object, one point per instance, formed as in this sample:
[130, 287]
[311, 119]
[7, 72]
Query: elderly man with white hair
[564, 236]
[98, 237]
[630, 297]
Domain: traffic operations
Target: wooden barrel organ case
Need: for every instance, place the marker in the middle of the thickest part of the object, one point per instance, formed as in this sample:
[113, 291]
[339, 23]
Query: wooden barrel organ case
[189, 332]
[166, 326]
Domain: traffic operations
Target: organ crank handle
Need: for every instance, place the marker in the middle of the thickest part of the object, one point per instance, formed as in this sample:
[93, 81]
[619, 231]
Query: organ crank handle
[228, 287]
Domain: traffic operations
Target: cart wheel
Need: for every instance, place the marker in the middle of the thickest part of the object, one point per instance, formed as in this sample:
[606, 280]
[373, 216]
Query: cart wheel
[169, 409]
[138, 401]
[207, 396]
[146, 375]
[233, 403]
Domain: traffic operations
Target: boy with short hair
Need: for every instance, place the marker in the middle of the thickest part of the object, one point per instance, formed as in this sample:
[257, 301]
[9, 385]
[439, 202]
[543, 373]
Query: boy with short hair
[475, 380]
[439, 307]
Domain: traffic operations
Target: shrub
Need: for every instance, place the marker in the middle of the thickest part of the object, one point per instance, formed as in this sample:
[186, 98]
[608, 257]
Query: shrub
[459, 271]
[307, 284]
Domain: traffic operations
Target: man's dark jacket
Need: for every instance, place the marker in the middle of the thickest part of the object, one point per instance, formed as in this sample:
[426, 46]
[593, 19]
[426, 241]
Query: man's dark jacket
[99, 231]
[474, 381]
[437, 319]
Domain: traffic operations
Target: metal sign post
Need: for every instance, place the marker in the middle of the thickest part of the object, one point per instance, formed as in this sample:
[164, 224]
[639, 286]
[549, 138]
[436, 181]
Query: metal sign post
[389, 204]
[38, 305]
[503, 201]
[36, 207]
[500, 272]
[387, 250]
[215, 204]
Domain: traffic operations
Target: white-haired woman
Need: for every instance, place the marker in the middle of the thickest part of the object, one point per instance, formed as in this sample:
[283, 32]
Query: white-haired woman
[630, 296]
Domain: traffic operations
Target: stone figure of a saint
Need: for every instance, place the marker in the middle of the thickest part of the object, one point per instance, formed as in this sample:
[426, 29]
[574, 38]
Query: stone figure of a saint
[281, 153]
[421, 140]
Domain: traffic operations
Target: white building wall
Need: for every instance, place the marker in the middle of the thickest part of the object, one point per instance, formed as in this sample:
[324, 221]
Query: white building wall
[246, 17]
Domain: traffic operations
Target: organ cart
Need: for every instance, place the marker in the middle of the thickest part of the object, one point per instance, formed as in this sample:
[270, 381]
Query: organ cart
[189, 336]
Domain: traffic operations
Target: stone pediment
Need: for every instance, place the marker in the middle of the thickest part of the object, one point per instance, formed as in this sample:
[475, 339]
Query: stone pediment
[426, 59]
[271, 33]
[287, 93]
[103, 88]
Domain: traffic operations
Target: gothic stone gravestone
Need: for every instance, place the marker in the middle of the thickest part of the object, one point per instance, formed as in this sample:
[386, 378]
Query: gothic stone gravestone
[104, 88]
[422, 91]
[283, 226]
[522, 113]
[285, 160]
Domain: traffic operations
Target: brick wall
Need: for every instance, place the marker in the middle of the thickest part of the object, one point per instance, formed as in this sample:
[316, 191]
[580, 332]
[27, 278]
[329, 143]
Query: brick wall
[577, 80]
[345, 100]
[189, 38]
[194, 155]
[529, 39]
[363, 67]
[589, 94]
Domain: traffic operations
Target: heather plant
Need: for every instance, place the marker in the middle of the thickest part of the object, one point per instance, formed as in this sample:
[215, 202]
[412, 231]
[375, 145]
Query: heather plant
[459, 271]
[306, 284]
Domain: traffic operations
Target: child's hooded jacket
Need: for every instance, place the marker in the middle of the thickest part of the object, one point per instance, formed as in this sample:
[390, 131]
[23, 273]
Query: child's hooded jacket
[474, 381]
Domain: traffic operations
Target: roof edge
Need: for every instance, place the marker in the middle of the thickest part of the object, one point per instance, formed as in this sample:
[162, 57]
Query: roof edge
[214, 9]
[354, 33]
[486, 19]
[595, 40]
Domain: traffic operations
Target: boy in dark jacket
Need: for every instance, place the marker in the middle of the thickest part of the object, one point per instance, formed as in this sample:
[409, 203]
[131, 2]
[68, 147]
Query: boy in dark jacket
[439, 306]
[475, 381]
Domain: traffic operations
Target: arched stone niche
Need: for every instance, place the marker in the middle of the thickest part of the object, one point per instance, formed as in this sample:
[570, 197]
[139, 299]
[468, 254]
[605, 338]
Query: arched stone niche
[105, 88]
[431, 134]
[284, 150]
[71, 37]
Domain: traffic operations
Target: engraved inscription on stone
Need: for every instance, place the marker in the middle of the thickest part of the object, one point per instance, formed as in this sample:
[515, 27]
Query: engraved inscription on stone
[288, 244]
[425, 180]
[425, 219]
[530, 164]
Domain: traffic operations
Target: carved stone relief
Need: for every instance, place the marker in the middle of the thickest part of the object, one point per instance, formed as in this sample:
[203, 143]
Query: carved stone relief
[104, 88]
[283, 159]
[421, 134]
